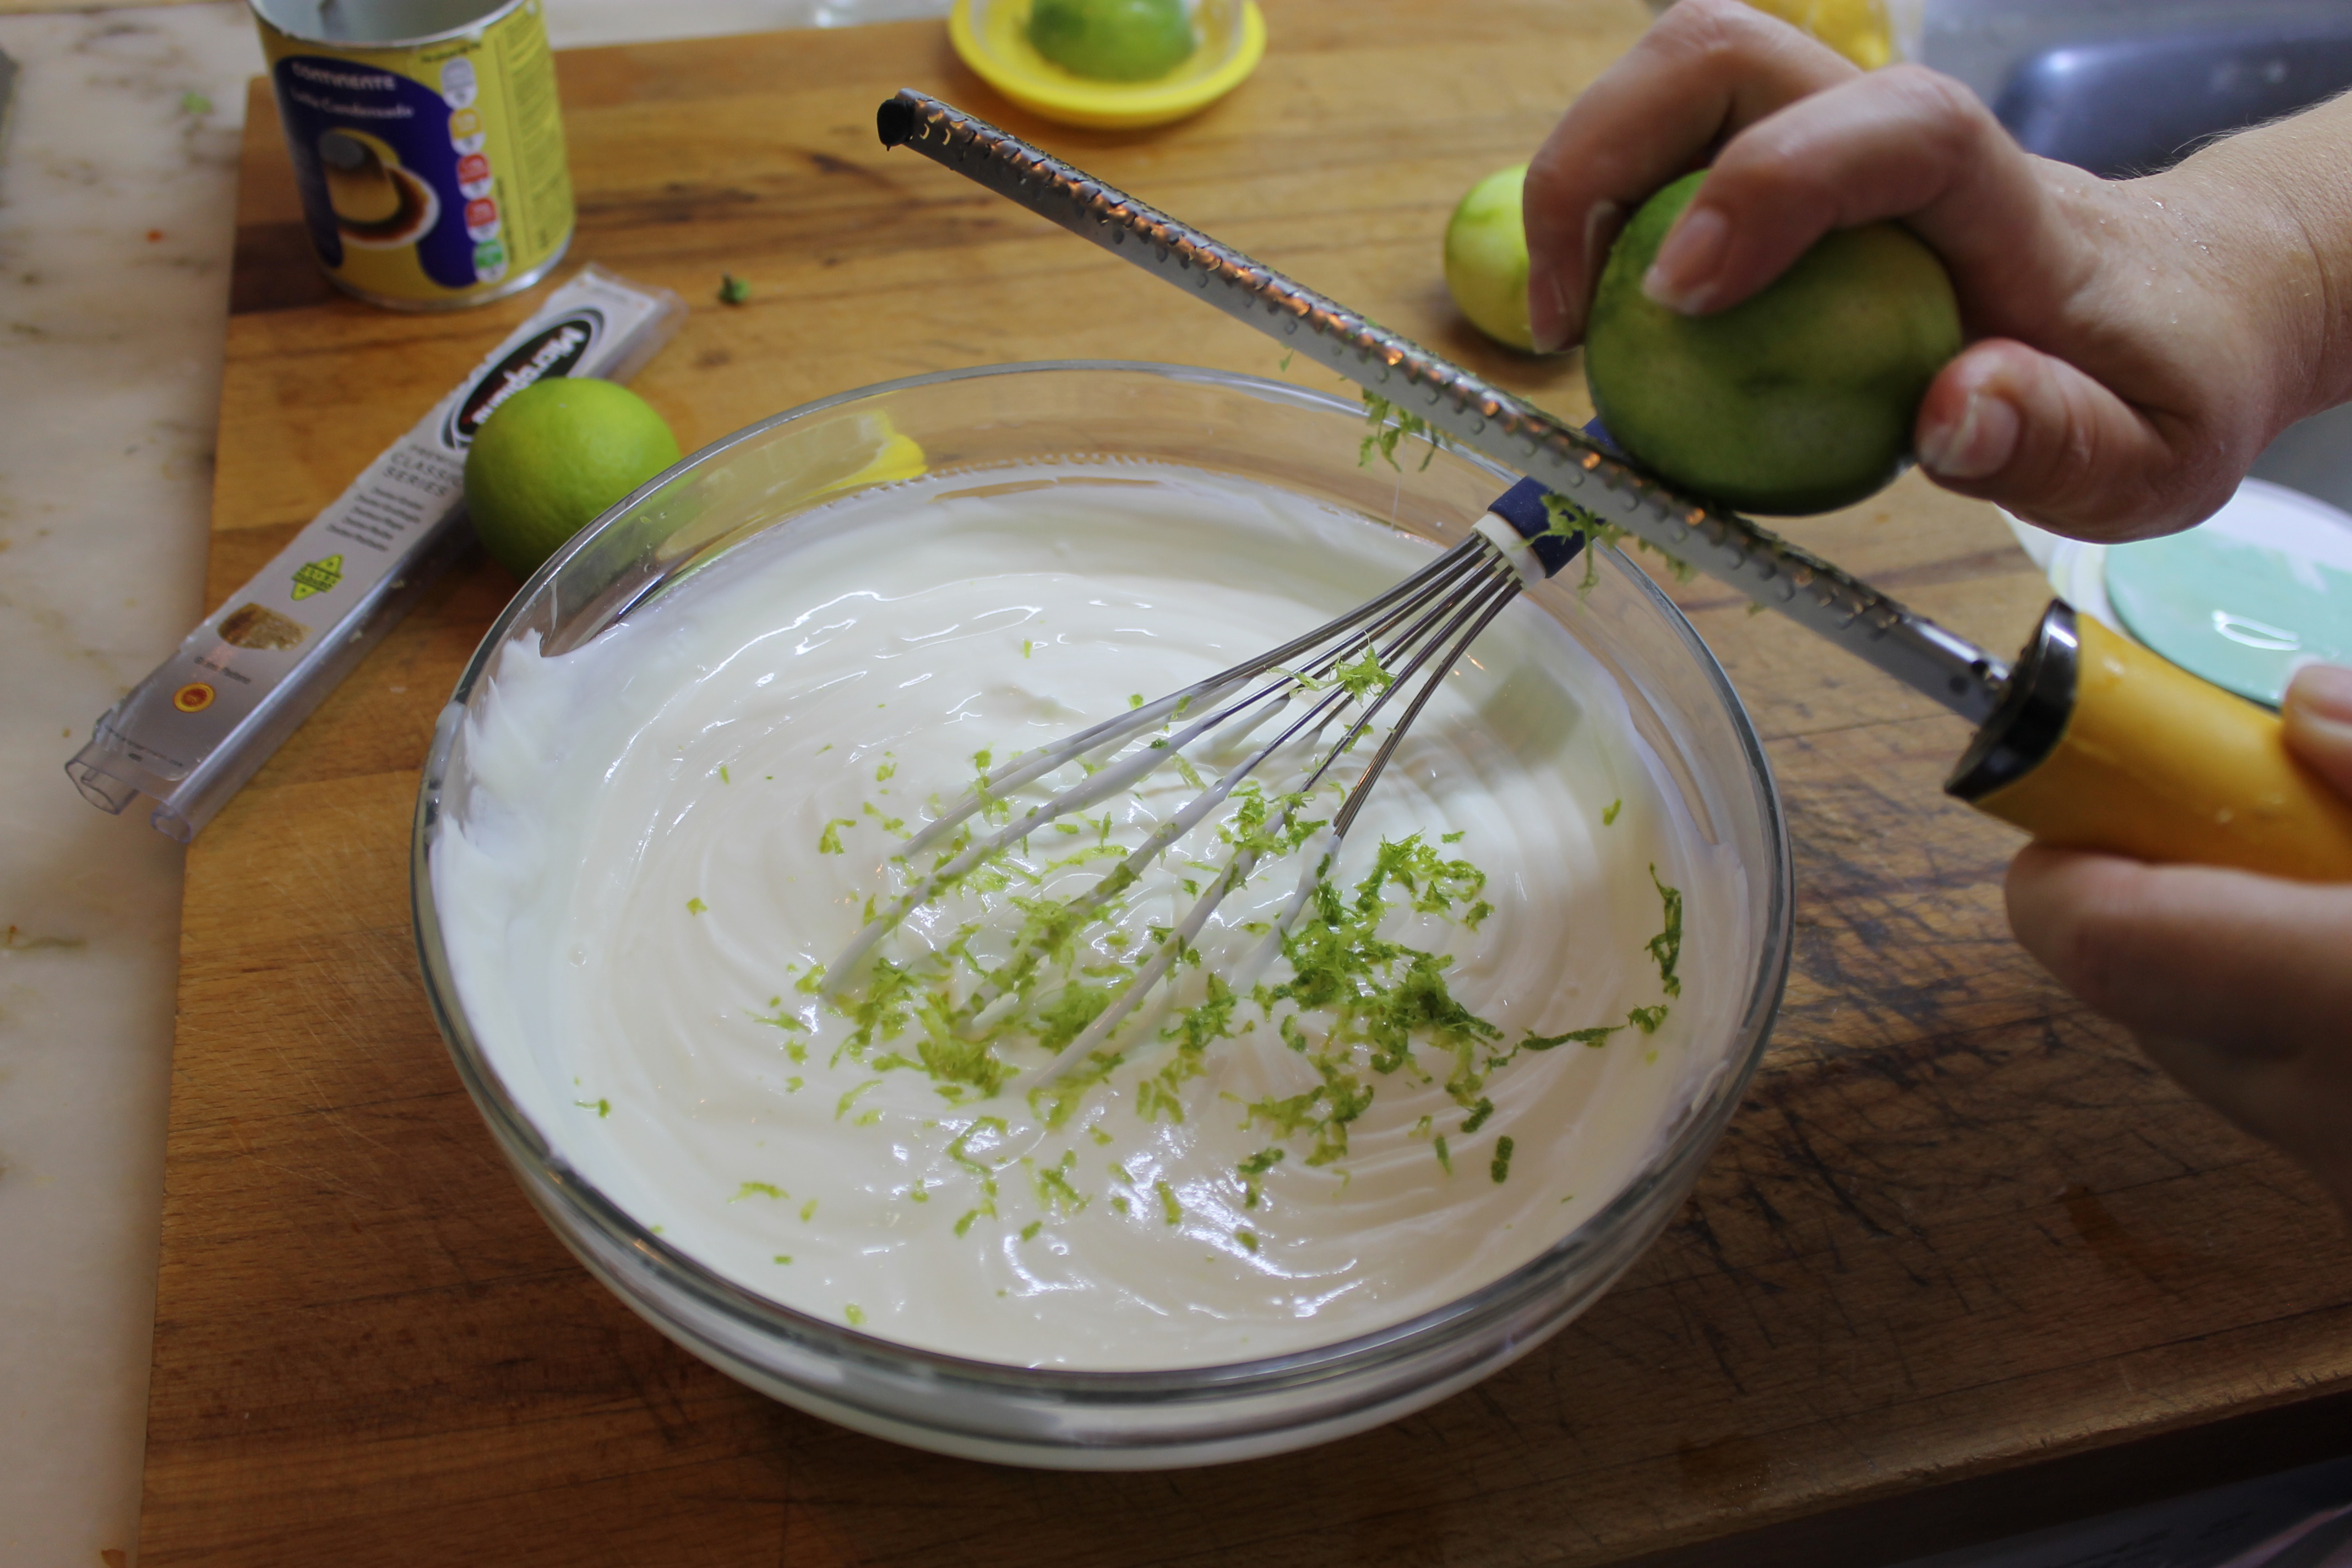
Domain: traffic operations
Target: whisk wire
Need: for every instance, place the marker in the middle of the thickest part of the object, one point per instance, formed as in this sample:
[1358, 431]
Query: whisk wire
[1329, 701]
[1382, 611]
[1028, 767]
[1501, 593]
[1413, 634]
[1468, 617]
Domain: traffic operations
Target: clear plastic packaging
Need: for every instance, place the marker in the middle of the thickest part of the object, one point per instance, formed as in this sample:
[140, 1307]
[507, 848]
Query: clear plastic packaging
[190, 733]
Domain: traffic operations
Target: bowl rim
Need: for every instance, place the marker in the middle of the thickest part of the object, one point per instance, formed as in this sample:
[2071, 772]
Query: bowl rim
[1499, 1299]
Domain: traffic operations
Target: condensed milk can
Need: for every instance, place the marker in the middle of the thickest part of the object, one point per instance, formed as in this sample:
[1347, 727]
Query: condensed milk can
[427, 142]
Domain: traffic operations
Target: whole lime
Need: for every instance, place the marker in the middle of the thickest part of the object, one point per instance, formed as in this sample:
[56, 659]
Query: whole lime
[1486, 259]
[554, 456]
[1800, 399]
[1113, 40]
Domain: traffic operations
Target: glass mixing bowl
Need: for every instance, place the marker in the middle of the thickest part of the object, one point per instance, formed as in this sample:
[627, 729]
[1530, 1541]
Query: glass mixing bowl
[768, 476]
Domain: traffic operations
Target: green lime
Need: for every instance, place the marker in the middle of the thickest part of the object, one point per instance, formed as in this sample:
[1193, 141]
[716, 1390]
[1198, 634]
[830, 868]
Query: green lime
[1800, 399]
[1486, 259]
[1112, 40]
[552, 458]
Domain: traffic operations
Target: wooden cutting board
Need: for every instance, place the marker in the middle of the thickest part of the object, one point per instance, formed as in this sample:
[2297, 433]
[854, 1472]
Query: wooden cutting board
[1962, 1262]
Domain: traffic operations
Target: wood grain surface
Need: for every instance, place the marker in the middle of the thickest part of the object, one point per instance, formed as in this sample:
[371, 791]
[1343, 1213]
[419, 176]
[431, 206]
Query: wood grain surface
[1959, 1231]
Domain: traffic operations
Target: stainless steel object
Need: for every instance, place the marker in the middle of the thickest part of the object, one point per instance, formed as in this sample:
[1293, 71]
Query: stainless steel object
[1461, 406]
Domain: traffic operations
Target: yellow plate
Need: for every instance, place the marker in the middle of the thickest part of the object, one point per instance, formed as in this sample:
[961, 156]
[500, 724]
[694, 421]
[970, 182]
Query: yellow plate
[993, 37]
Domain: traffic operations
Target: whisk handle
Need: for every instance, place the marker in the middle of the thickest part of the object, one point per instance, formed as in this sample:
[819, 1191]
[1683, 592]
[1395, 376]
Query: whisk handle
[1522, 506]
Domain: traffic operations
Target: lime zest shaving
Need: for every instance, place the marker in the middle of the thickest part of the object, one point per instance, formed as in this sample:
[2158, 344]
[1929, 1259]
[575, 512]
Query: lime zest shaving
[969, 1004]
[1569, 521]
[1390, 426]
[1666, 947]
[1500, 1167]
[1252, 1170]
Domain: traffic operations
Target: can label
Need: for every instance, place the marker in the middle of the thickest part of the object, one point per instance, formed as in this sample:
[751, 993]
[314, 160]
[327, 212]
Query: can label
[433, 173]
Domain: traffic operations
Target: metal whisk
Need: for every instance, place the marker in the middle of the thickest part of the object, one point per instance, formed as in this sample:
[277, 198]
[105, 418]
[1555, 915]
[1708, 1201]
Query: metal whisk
[1394, 647]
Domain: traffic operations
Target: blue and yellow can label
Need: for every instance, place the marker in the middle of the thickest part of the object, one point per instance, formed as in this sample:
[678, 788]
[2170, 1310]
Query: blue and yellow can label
[432, 169]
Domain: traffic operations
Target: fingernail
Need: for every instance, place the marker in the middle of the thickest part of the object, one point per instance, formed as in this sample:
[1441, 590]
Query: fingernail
[1683, 276]
[1601, 225]
[1548, 313]
[2318, 713]
[2322, 691]
[1554, 323]
[1982, 442]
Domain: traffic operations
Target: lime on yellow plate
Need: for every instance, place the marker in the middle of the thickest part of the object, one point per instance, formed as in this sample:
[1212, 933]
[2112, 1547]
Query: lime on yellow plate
[1113, 40]
[992, 37]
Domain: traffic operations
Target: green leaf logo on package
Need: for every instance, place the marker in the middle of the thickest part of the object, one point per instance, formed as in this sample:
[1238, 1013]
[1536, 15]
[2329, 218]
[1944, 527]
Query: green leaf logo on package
[318, 576]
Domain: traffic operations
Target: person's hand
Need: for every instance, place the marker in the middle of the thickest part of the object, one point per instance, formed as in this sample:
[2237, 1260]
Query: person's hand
[2134, 343]
[2240, 986]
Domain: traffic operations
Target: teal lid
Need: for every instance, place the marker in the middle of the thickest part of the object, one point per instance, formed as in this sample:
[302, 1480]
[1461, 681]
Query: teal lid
[2240, 614]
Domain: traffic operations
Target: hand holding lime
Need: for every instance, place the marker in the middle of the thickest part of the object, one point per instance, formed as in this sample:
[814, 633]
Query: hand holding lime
[552, 458]
[1798, 399]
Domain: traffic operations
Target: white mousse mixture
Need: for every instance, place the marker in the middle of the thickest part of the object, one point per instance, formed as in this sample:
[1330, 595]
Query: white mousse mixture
[1476, 1038]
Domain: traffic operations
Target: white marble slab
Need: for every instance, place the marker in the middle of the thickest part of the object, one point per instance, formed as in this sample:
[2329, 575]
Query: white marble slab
[117, 190]
[109, 370]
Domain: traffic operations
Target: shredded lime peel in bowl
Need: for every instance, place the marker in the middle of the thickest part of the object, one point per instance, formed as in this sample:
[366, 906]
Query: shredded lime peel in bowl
[744, 767]
[1310, 1184]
